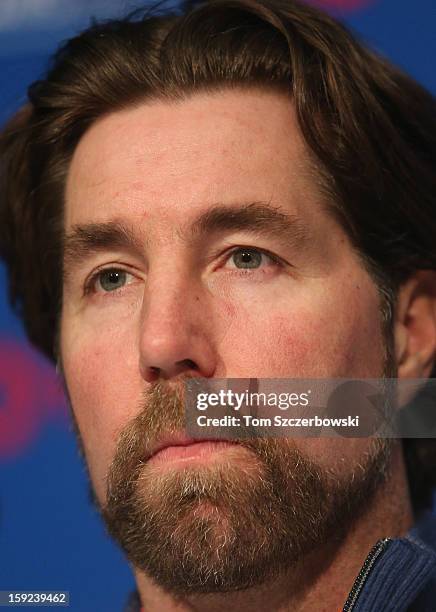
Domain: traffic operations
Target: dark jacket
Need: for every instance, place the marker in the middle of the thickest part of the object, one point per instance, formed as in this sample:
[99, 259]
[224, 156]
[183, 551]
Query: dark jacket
[399, 575]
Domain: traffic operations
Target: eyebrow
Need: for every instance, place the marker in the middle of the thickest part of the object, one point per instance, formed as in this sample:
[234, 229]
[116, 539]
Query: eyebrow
[259, 218]
[256, 217]
[86, 240]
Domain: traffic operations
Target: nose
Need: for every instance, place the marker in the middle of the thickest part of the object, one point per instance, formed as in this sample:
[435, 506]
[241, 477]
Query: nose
[176, 332]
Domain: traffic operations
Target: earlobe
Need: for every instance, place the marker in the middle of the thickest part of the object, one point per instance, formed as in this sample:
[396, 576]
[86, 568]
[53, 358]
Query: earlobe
[415, 326]
[412, 367]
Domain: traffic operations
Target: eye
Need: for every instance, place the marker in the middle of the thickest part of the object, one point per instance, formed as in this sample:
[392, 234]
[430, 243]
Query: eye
[247, 258]
[107, 280]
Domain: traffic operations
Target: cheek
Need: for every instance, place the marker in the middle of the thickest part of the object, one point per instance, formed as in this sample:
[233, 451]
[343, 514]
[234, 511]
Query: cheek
[315, 337]
[104, 391]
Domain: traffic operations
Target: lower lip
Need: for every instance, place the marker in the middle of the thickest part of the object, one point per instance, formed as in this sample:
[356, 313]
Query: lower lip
[196, 450]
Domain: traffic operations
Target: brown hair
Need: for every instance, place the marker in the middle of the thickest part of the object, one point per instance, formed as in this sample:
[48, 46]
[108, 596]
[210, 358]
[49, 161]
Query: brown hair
[370, 129]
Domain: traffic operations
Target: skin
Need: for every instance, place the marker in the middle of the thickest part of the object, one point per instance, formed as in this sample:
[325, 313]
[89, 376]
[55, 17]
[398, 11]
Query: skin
[157, 166]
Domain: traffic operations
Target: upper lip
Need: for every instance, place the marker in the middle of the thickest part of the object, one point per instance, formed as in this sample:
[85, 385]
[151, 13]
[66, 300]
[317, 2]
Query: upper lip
[178, 439]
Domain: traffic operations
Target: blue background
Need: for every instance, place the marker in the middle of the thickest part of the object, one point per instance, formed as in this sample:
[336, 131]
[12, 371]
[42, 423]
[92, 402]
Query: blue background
[50, 535]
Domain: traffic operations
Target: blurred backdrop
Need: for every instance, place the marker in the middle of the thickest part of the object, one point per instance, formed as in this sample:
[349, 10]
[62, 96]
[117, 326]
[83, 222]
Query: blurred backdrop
[50, 536]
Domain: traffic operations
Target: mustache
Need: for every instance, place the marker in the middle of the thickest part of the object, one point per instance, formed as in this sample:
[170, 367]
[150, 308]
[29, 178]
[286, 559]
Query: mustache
[161, 415]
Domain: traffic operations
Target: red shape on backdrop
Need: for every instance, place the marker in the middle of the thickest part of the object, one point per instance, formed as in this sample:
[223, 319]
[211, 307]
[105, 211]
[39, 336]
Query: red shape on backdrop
[29, 394]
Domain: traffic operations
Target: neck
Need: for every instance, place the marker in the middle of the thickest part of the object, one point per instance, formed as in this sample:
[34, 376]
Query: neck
[323, 579]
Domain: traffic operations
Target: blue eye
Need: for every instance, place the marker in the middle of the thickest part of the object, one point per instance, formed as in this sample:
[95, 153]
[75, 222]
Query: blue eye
[247, 258]
[111, 279]
[106, 281]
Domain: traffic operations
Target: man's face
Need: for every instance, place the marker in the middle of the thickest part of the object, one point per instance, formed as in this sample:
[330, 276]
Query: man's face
[218, 298]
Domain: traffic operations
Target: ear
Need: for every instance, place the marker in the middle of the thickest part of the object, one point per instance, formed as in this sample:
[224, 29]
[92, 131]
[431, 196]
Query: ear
[415, 326]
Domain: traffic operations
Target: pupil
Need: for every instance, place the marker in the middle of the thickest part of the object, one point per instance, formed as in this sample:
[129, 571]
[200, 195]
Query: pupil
[248, 259]
[111, 279]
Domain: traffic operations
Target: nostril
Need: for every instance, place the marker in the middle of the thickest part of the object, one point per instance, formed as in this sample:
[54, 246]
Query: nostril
[182, 365]
[190, 364]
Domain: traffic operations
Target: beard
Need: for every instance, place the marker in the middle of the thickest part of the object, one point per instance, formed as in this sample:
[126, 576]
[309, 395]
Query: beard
[233, 523]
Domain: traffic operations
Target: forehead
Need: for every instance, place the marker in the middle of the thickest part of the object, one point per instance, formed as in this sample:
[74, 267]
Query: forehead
[171, 159]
